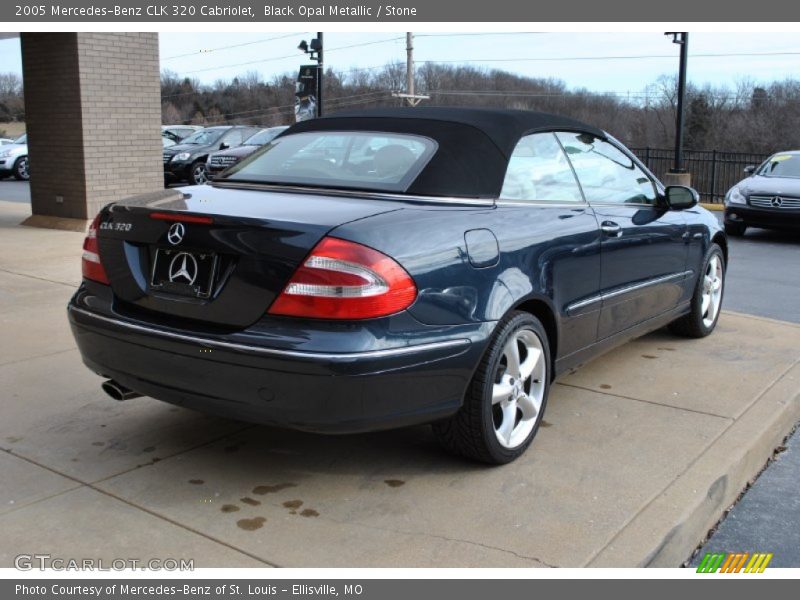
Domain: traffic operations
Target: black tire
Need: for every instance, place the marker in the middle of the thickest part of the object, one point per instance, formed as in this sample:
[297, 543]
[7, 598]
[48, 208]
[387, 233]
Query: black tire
[197, 167]
[735, 229]
[693, 324]
[21, 172]
[471, 431]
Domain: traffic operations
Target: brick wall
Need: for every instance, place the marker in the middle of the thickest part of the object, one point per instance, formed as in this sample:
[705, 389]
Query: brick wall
[93, 111]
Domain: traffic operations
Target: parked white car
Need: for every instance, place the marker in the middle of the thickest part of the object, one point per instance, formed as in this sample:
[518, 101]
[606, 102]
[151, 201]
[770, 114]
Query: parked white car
[14, 159]
[4, 141]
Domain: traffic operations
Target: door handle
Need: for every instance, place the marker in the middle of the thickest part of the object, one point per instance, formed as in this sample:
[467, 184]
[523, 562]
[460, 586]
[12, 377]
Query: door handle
[610, 228]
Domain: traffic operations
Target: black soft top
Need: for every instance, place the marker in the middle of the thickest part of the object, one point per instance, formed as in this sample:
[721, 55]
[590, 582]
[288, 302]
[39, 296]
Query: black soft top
[474, 143]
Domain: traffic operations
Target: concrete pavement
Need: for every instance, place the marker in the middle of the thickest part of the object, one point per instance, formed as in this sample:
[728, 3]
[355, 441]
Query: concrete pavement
[640, 453]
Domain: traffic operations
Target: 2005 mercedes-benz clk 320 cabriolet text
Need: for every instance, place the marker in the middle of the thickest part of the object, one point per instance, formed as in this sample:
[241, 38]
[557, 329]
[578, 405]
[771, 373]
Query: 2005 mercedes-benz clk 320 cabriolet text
[384, 268]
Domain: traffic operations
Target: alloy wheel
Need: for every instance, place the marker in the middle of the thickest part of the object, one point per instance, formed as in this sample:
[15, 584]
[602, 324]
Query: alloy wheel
[199, 174]
[22, 169]
[519, 388]
[712, 291]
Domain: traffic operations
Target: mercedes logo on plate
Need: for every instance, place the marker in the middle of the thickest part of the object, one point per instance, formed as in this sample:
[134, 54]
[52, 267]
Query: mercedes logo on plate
[777, 202]
[176, 233]
[183, 268]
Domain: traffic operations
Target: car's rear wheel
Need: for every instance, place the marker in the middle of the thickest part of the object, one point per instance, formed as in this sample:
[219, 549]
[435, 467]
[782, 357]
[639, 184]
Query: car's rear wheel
[735, 229]
[707, 298]
[199, 173]
[21, 169]
[506, 398]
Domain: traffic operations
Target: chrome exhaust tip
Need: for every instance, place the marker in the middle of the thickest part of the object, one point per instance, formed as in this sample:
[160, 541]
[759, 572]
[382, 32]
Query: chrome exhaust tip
[117, 391]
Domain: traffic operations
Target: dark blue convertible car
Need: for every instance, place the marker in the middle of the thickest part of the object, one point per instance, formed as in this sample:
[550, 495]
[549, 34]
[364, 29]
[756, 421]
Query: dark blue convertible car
[384, 268]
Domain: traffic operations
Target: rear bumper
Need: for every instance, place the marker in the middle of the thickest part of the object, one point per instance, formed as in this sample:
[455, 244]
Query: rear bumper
[332, 392]
[778, 218]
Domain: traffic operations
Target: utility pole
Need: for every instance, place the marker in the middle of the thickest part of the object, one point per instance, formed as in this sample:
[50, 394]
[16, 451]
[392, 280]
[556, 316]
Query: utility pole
[681, 38]
[319, 74]
[410, 65]
[410, 95]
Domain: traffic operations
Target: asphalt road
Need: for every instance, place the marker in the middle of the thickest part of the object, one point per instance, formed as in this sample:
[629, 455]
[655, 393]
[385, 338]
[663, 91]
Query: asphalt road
[764, 274]
[12, 190]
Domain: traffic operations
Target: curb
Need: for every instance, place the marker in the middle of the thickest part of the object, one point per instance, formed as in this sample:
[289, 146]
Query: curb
[714, 207]
[666, 532]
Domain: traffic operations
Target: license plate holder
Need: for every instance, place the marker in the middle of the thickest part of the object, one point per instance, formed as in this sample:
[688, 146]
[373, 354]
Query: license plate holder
[183, 272]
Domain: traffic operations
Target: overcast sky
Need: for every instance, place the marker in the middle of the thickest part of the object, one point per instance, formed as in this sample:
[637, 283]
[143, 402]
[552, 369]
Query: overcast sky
[208, 56]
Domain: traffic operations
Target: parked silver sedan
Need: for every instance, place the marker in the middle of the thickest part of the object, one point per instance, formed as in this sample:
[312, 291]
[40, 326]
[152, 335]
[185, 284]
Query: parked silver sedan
[14, 159]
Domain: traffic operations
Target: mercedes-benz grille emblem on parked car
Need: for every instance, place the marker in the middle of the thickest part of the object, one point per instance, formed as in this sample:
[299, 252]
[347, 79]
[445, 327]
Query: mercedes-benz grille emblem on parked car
[777, 202]
[183, 267]
[176, 233]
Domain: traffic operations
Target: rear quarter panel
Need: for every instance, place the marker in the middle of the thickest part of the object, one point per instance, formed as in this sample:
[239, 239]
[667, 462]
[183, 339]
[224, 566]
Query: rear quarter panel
[549, 254]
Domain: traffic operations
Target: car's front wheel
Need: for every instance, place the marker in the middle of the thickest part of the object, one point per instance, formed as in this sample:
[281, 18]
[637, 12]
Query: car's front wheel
[506, 398]
[21, 169]
[199, 173]
[707, 299]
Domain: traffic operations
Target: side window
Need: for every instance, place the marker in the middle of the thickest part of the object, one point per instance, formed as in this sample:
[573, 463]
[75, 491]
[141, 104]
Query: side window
[233, 137]
[605, 172]
[538, 170]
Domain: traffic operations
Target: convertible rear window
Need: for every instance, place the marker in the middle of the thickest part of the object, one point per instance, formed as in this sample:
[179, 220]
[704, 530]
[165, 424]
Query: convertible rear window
[339, 159]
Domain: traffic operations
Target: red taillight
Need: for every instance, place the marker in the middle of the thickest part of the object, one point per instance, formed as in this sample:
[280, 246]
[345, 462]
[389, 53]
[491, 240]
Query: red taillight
[161, 216]
[90, 262]
[345, 280]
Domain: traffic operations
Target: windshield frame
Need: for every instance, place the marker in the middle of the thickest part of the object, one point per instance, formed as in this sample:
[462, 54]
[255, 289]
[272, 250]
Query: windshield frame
[430, 147]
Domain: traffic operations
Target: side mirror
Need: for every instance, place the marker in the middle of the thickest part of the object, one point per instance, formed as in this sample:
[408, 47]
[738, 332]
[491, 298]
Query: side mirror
[749, 169]
[224, 146]
[679, 197]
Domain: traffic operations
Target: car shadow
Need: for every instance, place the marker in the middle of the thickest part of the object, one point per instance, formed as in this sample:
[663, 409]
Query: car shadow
[410, 450]
[773, 236]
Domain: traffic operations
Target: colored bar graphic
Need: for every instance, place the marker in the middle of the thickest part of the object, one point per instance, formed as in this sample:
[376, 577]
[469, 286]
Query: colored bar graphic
[733, 562]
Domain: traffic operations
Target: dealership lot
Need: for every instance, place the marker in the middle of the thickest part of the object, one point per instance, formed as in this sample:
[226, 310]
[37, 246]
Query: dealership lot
[640, 453]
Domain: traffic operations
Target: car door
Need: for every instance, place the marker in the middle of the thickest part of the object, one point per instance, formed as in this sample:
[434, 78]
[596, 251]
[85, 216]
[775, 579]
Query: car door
[552, 237]
[644, 247]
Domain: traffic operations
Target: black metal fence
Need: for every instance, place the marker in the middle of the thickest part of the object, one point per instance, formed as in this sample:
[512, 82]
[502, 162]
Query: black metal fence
[713, 172]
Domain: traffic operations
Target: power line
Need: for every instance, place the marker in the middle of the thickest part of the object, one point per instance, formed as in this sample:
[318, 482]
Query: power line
[295, 55]
[219, 48]
[617, 57]
[394, 39]
[483, 33]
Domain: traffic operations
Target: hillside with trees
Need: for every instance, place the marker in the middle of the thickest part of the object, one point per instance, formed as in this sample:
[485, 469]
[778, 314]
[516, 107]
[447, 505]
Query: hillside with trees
[748, 118]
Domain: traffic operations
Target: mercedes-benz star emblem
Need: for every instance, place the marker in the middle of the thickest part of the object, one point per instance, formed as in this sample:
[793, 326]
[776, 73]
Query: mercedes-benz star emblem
[176, 233]
[777, 202]
[183, 267]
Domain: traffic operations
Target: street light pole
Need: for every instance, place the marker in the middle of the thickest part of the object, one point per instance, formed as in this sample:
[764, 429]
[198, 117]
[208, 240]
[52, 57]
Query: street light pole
[681, 38]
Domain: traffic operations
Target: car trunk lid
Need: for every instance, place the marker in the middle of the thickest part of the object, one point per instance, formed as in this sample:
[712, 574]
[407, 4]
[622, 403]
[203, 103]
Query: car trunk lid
[211, 256]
